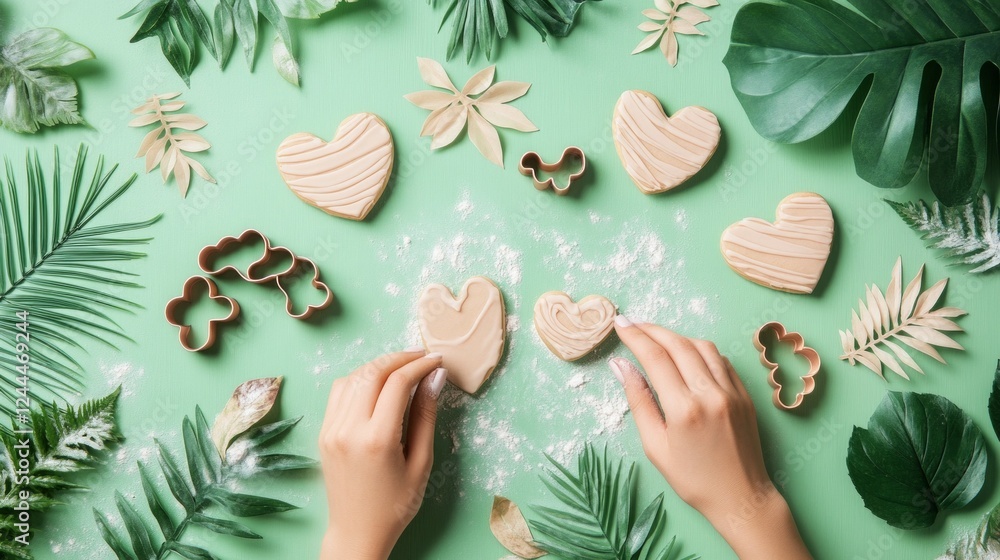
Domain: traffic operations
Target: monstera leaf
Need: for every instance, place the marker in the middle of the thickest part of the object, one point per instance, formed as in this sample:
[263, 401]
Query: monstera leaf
[795, 65]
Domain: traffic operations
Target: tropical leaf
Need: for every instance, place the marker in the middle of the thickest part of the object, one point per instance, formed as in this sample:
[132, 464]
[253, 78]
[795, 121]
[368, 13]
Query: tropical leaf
[307, 9]
[62, 270]
[205, 482]
[35, 90]
[920, 455]
[596, 519]
[994, 402]
[884, 323]
[983, 544]
[181, 26]
[166, 144]
[477, 25]
[62, 443]
[669, 19]
[969, 234]
[917, 64]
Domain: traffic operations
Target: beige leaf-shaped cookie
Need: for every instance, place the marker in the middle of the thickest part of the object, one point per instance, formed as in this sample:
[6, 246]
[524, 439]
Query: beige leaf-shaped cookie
[510, 528]
[249, 405]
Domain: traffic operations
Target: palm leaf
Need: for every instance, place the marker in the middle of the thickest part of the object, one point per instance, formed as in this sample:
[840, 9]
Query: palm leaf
[969, 234]
[208, 484]
[916, 63]
[885, 323]
[595, 519]
[47, 237]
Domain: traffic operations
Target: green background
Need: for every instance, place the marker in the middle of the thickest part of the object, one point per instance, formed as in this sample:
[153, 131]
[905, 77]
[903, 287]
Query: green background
[655, 256]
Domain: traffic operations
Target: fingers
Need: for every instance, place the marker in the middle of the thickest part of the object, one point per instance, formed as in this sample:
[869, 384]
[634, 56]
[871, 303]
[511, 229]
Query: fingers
[423, 418]
[734, 378]
[660, 368]
[365, 384]
[395, 396]
[685, 356]
[645, 410]
[717, 364]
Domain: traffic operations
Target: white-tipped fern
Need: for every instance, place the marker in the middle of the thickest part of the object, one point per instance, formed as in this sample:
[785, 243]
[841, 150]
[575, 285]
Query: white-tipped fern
[969, 234]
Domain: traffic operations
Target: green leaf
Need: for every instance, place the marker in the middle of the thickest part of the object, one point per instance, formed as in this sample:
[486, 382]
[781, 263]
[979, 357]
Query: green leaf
[814, 56]
[994, 404]
[920, 455]
[224, 31]
[245, 20]
[190, 552]
[115, 542]
[283, 462]
[180, 26]
[156, 506]
[36, 92]
[224, 527]
[969, 234]
[175, 480]
[141, 539]
[284, 62]
[307, 9]
[246, 505]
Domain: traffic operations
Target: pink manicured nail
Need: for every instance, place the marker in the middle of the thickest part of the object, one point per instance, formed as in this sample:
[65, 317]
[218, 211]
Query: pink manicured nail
[623, 321]
[617, 369]
[438, 378]
[434, 356]
[415, 349]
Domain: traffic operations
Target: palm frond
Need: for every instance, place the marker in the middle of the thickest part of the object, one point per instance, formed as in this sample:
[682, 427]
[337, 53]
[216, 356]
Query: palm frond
[61, 268]
[61, 443]
[207, 484]
[900, 315]
[969, 234]
[595, 521]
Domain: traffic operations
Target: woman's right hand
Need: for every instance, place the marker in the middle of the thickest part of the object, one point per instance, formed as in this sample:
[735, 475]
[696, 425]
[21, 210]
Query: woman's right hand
[704, 439]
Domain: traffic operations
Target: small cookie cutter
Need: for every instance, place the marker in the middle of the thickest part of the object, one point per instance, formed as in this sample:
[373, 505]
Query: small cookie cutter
[301, 262]
[531, 163]
[799, 348]
[208, 254]
[173, 307]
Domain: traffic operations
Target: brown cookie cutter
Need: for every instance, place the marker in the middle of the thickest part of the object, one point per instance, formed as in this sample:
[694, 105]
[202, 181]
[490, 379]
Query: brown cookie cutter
[299, 263]
[173, 308]
[800, 349]
[531, 164]
[272, 253]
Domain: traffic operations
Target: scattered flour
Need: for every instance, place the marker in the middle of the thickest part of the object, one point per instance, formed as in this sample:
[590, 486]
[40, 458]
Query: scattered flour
[392, 289]
[122, 374]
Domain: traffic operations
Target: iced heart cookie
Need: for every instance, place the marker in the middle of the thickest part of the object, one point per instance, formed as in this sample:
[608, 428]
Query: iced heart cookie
[788, 255]
[661, 152]
[571, 330]
[467, 330]
[344, 177]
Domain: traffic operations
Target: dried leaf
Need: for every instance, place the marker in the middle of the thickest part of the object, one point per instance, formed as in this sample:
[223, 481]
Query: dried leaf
[510, 528]
[451, 112]
[908, 317]
[162, 147]
[249, 404]
[670, 19]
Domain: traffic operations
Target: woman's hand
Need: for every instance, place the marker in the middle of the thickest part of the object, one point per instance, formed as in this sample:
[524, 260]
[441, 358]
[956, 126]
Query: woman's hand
[703, 437]
[375, 474]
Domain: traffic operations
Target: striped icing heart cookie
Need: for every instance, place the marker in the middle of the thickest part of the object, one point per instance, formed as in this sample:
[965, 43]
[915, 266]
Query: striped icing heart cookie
[344, 177]
[571, 330]
[788, 255]
[468, 330]
[661, 152]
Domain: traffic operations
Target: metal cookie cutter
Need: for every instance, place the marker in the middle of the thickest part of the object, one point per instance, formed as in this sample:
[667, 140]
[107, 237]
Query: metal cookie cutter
[302, 263]
[174, 306]
[210, 253]
[531, 164]
[799, 347]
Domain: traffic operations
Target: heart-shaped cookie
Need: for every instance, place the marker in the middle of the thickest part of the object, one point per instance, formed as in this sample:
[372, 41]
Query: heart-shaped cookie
[661, 152]
[467, 330]
[571, 330]
[344, 177]
[788, 255]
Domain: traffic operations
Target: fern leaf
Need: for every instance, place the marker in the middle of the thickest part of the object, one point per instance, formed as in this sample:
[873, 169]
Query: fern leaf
[164, 147]
[595, 519]
[969, 234]
[47, 236]
[901, 317]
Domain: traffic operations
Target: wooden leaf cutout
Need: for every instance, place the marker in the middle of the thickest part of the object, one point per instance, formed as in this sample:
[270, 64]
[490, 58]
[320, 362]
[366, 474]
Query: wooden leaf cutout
[669, 19]
[510, 528]
[885, 324]
[249, 404]
[165, 148]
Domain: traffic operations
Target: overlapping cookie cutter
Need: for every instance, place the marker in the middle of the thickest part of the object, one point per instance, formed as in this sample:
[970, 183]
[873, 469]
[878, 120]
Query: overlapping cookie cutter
[316, 283]
[800, 349]
[271, 253]
[531, 163]
[171, 311]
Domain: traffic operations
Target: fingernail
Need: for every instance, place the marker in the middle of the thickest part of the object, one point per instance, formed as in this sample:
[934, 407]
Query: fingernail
[438, 378]
[414, 349]
[434, 356]
[617, 369]
[623, 321]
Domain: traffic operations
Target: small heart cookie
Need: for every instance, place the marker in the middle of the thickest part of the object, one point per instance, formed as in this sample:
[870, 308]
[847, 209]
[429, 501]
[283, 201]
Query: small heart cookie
[468, 330]
[571, 330]
[346, 176]
[661, 152]
[788, 255]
